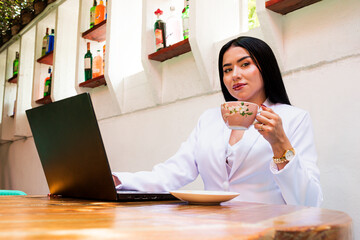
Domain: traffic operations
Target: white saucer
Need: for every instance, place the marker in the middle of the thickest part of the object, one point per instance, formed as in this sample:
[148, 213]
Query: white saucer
[204, 197]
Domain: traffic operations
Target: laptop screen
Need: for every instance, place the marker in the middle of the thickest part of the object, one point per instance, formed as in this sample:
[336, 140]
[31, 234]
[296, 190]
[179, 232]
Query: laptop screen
[71, 150]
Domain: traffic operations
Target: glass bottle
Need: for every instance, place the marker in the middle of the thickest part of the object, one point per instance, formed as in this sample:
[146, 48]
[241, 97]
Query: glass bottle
[16, 64]
[185, 19]
[45, 42]
[50, 45]
[160, 31]
[88, 63]
[173, 28]
[92, 14]
[47, 87]
[106, 9]
[98, 65]
[104, 57]
[99, 13]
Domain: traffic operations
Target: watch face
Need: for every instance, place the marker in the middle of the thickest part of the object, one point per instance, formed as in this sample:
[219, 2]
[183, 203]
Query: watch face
[289, 155]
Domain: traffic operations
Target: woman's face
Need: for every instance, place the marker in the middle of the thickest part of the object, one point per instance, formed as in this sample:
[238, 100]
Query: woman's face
[241, 77]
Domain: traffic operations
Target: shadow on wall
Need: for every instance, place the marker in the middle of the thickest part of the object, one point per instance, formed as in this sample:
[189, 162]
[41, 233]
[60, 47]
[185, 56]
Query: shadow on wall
[4, 166]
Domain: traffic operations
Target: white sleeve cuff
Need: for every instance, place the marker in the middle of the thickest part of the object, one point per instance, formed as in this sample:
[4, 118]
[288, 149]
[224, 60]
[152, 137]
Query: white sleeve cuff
[274, 169]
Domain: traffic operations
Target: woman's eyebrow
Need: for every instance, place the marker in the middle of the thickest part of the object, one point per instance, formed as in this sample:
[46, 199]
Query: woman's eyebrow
[229, 64]
[242, 58]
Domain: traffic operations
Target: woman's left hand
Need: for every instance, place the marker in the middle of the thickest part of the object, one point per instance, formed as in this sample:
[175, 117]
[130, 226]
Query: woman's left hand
[270, 127]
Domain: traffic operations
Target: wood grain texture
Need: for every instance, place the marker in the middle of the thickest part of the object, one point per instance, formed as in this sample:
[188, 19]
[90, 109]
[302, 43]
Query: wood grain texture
[39, 217]
[286, 6]
[13, 79]
[47, 59]
[97, 33]
[175, 50]
[44, 100]
[94, 82]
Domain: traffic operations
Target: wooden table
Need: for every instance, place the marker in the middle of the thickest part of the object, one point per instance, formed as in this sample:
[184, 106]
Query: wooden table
[39, 217]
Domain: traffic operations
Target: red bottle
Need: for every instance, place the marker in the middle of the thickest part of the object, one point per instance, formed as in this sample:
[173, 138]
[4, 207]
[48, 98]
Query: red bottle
[160, 31]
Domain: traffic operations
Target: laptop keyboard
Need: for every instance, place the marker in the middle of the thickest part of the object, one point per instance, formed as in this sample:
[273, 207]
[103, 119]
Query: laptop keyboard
[138, 192]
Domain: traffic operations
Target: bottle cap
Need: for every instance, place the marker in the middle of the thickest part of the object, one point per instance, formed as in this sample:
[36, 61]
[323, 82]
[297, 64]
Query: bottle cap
[158, 12]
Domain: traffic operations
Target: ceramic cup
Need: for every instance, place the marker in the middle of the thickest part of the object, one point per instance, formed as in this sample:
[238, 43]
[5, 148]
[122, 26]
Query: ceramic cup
[239, 115]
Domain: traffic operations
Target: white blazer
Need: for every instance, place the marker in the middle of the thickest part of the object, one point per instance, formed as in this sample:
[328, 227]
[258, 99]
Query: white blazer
[253, 173]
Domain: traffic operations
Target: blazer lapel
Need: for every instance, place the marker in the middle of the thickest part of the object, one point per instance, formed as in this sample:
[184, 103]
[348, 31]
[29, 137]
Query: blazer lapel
[244, 146]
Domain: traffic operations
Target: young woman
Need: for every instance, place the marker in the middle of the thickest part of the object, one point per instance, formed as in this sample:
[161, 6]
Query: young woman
[274, 161]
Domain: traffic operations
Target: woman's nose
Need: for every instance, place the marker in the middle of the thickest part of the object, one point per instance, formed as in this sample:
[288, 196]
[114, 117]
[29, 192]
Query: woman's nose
[236, 74]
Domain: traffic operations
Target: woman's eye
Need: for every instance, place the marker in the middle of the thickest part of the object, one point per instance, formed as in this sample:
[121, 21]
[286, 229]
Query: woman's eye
[227, 70]
[245, 64]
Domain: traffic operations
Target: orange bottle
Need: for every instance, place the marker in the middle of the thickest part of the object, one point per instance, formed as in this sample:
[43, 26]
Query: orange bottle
[100, 12]
[98, 65]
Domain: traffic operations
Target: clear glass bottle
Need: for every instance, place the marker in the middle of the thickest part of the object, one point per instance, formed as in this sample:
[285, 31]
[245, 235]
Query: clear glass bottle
[88, 60]
[173, 28]
[98, 65]
[185, 19]
[16, 64]
[99, 13]
[45, 42]
[160, 31]
[92, 14]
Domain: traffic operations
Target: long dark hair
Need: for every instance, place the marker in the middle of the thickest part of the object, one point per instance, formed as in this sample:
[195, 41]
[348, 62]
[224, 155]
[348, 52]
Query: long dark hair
[265, 60]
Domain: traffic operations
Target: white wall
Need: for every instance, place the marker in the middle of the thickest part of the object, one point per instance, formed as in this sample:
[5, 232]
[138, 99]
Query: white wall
[320, 56]
[322, 59]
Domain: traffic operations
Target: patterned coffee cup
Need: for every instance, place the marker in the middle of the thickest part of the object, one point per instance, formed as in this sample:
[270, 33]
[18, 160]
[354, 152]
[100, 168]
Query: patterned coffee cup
[239, 115]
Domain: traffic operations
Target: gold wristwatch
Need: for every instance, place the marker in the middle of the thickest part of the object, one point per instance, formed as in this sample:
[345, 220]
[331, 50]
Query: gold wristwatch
[286, 157]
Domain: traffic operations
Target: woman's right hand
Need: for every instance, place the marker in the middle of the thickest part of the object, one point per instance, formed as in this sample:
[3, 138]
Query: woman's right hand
[116, 180]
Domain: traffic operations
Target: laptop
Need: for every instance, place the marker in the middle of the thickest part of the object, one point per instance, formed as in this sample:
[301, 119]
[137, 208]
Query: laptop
[72, 153]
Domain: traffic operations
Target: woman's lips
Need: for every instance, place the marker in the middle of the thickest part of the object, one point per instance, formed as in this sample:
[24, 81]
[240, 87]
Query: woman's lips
[238, 86]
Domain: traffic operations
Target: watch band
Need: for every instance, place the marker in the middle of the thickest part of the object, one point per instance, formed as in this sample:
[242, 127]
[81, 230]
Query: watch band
[280, 160]
[283, 158]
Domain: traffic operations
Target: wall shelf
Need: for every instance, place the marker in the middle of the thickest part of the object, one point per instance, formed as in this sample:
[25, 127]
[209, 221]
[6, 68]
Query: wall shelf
[13, 79]
[97, 33]
[93, 83]
[47, 59]
[44, 100]
[285, 6]
[172, 51]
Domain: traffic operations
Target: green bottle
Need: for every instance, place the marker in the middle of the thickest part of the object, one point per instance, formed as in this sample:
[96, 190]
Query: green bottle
[92, 14]
[185, 19]
[47, 88]
[16, 64]
[45, 42]
[88, 59]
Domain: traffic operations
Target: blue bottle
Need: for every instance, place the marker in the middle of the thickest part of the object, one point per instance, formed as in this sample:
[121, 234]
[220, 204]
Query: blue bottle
[106, 10]
[50, 46]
